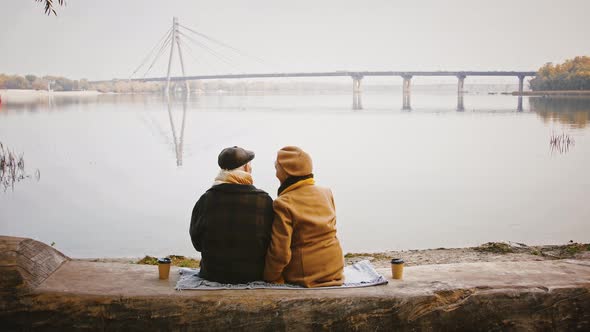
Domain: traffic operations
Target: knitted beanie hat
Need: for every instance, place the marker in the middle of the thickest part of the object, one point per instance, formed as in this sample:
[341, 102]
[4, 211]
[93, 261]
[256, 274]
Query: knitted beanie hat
[294, 161]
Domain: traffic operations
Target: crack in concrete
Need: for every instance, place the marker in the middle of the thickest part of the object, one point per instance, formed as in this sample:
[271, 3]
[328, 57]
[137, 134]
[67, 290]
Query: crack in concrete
[446, 300]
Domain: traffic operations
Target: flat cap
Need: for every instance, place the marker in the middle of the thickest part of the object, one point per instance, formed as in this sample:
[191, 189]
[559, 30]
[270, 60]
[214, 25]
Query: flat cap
[234, 157]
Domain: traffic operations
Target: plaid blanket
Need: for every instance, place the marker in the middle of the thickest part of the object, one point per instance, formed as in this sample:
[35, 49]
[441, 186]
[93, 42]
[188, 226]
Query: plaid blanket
[361, 274]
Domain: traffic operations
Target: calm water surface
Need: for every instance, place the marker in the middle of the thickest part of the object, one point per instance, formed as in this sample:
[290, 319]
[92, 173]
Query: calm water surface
[120, 174]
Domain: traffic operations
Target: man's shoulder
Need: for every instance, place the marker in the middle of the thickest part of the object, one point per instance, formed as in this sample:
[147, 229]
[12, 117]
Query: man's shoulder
[236, 188]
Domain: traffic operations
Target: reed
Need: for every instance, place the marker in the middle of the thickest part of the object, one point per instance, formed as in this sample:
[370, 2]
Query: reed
[12, 168]
[561, 143]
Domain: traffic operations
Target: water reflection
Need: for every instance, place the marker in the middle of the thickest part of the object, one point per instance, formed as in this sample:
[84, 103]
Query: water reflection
[178, 141]
[275, 102]
[36, 103]
[561, 143]
[572, 111]
[60, 102]
[460, 103]
[406, 101]
[462, 166]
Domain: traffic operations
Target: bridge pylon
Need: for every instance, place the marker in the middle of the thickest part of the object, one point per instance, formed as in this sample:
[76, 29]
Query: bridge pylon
[176, 43]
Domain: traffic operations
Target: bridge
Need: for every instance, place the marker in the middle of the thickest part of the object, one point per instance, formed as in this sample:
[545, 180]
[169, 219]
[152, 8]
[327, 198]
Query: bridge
[178, 36]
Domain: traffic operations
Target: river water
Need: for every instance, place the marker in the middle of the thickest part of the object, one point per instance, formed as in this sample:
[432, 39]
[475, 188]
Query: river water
[119, 174]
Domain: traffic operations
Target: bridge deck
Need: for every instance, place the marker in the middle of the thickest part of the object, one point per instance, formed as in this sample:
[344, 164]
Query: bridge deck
[337, 74]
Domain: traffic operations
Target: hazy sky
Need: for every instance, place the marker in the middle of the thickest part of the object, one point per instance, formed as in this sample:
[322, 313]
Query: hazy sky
[109, 38]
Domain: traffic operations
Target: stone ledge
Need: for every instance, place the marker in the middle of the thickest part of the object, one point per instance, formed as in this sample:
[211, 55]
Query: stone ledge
[547, 295]
[26, 263]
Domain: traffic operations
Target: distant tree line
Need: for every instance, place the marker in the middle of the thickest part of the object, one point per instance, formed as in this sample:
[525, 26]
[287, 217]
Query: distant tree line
[58, 83]
[573, 74]
[33, 82]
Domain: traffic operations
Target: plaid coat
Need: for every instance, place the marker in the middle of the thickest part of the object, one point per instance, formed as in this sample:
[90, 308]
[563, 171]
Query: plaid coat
[231, 226]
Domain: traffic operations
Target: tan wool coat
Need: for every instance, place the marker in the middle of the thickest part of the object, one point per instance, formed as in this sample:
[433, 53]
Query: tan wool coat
[304, 249]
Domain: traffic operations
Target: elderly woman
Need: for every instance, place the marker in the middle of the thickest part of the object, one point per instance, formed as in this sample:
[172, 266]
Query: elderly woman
[304, 249]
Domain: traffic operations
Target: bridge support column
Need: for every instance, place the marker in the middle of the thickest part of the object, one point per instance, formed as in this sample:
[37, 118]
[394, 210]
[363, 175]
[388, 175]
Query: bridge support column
[460, 105]
[175, 43]
[186, 85]
[357, 103]
[406, 106]
[406, 84]
[520, 84]
[461, 83]
[174, 28]
[460, 91]
[519, 106]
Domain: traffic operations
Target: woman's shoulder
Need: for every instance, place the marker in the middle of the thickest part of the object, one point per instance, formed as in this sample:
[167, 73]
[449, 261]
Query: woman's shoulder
[322, 190]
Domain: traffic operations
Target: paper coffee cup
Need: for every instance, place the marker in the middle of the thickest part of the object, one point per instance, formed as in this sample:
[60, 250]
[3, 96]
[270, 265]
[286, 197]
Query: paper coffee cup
[397, 268]
[164, 268]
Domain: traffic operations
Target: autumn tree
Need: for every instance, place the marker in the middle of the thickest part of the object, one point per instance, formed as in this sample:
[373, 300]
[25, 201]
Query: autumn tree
[573, 74]
[30, 78]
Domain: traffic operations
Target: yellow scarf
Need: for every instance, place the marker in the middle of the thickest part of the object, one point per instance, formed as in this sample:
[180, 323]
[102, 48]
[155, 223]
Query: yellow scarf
[306, 182]
[235, 176]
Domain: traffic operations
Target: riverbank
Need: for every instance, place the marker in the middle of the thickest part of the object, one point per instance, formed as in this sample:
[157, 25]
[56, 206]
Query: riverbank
[23, 96]
[553, 93]
[489, 252]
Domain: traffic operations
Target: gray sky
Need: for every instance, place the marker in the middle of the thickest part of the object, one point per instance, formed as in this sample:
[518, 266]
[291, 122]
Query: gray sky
[109, 38]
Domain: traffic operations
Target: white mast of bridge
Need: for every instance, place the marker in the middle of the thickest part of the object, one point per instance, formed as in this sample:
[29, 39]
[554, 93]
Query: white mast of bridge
[176, 43]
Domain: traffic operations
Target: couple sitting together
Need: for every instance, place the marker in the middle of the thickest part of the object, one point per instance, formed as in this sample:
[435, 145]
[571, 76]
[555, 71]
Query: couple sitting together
[244, 236]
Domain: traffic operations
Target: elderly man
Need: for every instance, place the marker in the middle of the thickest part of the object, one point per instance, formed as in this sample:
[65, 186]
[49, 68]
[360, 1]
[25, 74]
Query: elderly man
[231, 223]
[304, 249]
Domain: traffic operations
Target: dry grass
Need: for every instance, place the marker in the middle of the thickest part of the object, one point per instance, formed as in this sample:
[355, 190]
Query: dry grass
[495, 247]
[177, 260]
[488, 252]
[574, 248]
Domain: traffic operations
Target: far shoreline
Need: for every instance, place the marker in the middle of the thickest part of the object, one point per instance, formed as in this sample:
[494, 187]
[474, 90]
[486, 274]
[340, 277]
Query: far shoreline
[27, 95]
[488, 252]
[553, 93]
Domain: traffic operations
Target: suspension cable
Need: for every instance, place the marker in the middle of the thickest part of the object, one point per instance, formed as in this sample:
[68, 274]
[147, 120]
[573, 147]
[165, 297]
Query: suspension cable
[166, 44]
[220, 57]
[191, 54]
[163, 39]
[218, 42]
[166, 40]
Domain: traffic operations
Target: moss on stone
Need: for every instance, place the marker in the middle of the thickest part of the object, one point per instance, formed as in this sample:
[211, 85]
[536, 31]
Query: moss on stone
[177, 260]
[574, 248]
[495, 247]
[148, 260]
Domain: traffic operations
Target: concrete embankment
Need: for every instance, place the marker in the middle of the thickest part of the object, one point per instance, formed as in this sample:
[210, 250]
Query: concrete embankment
[42, 289]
